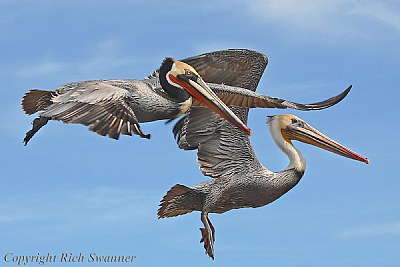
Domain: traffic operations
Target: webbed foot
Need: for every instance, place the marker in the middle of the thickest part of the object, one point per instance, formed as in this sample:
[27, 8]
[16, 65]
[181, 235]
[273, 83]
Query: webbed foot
[207, 235]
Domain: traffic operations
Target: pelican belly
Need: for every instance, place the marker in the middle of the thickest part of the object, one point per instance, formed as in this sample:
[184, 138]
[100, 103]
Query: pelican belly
[247, 192]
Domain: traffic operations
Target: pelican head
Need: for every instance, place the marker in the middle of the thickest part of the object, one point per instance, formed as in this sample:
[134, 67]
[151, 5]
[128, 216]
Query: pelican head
[181, 81]
[287, 127]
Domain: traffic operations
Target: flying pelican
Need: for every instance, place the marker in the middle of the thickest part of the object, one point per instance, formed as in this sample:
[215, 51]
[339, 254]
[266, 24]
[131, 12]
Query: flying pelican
[239, 180]
[114, 107]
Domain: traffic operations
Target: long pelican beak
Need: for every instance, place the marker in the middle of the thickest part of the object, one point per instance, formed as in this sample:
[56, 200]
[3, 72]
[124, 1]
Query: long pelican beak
[196, 87]
[305, 133]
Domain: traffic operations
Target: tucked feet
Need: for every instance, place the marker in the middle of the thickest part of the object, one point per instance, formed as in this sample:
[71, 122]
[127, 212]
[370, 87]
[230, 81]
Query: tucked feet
[207, 235]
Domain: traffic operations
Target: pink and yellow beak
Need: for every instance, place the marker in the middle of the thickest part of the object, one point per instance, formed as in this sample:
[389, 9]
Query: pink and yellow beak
[302, 131]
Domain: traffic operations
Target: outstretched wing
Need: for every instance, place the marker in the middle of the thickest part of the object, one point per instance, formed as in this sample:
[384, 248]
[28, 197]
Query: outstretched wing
[224, 150]
[235, 67]
[239, 97]
[102, 105]
[226, 69]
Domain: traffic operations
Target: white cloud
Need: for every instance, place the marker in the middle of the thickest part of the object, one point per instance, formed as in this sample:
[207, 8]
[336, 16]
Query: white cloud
[46, 67]
[99, 205]
[337, 19]
[106, 55]
[307, 10]
[386, 14]
[367, 231]
[204, 47]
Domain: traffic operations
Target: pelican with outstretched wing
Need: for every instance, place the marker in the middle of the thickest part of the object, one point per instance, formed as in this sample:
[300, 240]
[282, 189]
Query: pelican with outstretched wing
[239, 180]
[225, 154]
[114, 107]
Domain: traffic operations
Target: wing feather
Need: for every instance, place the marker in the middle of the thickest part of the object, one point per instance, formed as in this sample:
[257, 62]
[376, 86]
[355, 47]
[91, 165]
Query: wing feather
[235, 67]
[239, 97]
[105, 106]
[224, 150]
[206, 131]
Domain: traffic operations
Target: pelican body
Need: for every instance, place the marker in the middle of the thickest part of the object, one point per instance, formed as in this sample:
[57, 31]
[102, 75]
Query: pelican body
[225, 154]
[114, 107]
[239, 180]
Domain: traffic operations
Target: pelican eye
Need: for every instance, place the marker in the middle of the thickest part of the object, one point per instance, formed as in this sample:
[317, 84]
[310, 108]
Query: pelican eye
[297, 122]
[188, 72]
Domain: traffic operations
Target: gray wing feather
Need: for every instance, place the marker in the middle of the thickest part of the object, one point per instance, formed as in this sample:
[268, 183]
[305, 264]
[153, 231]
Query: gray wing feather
[223, 149]
[235, 67]
[239, 97]
[232, 68]
[100, 104]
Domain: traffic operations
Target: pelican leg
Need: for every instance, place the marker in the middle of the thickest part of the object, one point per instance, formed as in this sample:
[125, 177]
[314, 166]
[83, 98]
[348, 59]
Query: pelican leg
[36, 125]
[207, 234]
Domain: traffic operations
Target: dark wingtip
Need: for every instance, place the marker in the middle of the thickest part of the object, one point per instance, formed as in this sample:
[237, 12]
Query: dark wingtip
[326, 103]
[345, 92]
[336, 99]
[339, 97]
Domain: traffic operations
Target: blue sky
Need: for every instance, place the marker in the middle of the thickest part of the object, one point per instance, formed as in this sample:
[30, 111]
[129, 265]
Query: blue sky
[71, 190]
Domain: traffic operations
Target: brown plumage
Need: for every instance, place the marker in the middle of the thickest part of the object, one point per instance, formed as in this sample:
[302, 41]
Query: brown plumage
[114, 107]
[239, 180]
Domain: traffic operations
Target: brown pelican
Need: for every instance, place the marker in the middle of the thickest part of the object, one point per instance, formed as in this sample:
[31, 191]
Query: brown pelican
[114, 107]
[117, 106]
[226, 155]
[239, 180]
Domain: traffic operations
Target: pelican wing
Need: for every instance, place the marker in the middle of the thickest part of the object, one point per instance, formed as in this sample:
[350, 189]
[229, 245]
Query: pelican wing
[239, 97]
[102, 105]
[223, 150]
[234, 67]
[220, 68]
[225, 69]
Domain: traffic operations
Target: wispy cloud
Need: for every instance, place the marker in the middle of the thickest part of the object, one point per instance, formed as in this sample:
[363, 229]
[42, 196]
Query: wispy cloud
[46, 66]
[375, 230]
[98, 205]
[203, 47]
[327, 19]
[105, 55]
[384, 13]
